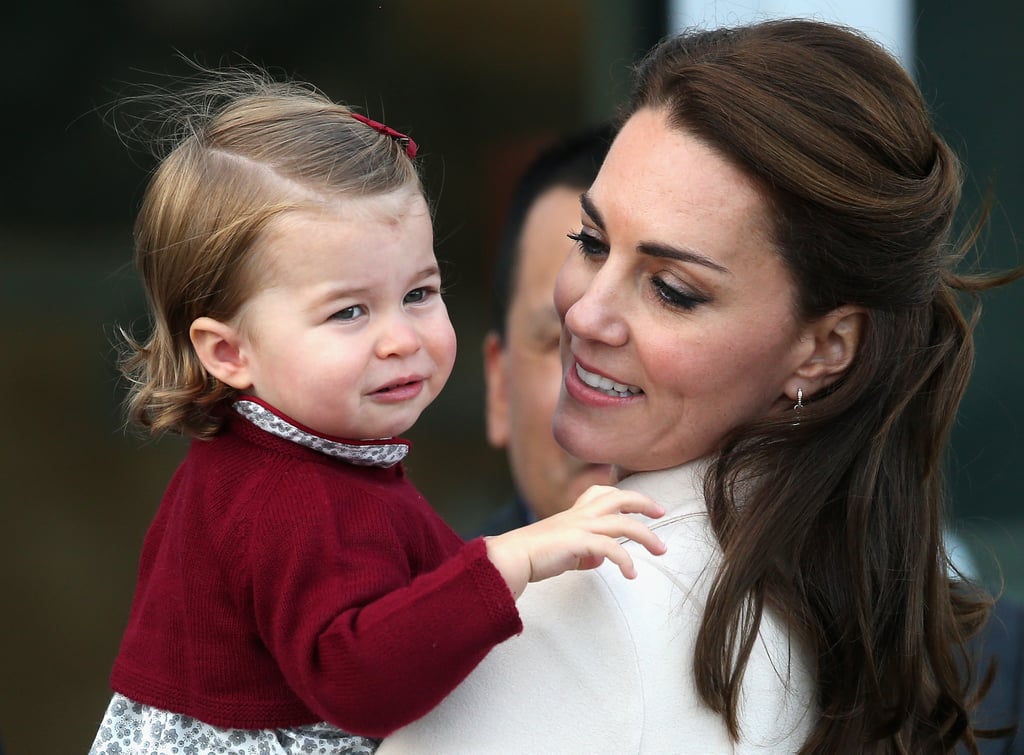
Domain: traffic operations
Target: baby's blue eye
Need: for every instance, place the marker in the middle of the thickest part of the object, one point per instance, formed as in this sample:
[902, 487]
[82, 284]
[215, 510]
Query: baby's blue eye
[416, 296]
[349, 313]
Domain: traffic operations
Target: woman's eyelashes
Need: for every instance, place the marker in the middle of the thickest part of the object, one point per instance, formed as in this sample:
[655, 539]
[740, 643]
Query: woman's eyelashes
[588, 245]
[674, 296]
[677, 297]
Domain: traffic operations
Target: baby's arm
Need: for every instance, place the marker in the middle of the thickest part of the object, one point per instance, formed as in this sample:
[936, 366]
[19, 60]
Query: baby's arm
[580, 538]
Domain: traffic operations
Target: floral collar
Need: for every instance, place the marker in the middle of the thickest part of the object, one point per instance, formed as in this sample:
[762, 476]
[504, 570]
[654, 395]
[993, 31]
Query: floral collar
[365, 453]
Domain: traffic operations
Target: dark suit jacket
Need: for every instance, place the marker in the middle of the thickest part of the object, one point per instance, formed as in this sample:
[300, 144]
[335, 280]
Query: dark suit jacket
[1003, 639]
[511, 516]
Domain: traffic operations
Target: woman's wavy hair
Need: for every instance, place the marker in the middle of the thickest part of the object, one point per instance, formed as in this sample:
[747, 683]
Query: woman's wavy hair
[840, 529]
[240, 149]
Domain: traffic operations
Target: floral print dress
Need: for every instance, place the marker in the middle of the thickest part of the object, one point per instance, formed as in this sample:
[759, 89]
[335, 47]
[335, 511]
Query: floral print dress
[130, 728]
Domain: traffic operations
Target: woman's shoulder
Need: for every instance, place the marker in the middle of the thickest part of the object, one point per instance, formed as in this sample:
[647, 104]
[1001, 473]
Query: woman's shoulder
[577, 679]
[568, 683]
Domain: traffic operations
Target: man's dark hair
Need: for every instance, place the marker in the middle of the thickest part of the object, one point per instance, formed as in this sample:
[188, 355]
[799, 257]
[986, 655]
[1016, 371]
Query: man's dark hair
[572, 162]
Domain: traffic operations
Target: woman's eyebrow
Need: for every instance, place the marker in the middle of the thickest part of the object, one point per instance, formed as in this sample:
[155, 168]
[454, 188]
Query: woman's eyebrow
[591, 209]
[655, 249]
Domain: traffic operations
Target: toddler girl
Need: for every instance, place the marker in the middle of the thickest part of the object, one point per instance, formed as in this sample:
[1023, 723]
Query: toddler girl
[295, 592]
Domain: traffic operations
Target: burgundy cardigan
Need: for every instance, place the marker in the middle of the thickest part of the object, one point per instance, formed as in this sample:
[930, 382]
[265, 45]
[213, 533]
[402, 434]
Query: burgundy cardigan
[279, 586]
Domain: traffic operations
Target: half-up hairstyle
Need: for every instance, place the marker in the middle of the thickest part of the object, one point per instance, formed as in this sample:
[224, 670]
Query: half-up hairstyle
[839, 526]
[242, 150]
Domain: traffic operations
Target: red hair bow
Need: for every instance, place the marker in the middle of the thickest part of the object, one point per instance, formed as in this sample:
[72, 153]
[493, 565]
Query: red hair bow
[405, 141]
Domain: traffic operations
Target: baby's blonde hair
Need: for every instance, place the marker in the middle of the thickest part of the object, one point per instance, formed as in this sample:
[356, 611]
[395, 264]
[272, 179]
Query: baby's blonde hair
[245, 149]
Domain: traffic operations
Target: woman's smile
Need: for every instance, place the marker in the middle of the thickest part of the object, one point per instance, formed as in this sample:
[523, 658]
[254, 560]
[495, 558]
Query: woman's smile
[606, 385]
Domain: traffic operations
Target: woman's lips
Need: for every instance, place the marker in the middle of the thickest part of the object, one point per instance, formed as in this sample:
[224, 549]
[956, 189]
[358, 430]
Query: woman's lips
[587, 389]
[606, 385]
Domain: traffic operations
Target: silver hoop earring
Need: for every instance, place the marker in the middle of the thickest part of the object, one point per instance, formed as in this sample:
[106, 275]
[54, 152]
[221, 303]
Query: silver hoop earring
[798, 407]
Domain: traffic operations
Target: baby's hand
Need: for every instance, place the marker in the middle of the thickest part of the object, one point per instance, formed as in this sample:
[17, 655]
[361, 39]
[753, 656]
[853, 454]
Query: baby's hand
[580, 538]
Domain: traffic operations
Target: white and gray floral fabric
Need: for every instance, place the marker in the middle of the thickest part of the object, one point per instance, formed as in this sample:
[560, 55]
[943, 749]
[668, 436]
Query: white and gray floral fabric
[383, 454]
[130, 728]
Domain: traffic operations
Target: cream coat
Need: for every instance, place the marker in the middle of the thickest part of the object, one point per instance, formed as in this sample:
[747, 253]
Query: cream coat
[604, 664]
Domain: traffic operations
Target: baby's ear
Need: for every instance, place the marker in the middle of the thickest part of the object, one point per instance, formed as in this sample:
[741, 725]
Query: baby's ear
[218, 346]
[836, 340]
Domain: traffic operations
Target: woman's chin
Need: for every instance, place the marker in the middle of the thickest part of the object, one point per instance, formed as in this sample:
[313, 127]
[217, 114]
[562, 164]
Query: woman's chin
[588, 446]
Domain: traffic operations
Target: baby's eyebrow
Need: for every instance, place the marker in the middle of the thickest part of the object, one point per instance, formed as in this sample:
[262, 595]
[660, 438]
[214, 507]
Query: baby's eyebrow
[358, 290]
[428, 271]
[344, 292]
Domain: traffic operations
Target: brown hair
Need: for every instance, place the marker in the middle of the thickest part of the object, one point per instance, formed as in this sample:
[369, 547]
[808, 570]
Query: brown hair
[244, 149]
[841, 524]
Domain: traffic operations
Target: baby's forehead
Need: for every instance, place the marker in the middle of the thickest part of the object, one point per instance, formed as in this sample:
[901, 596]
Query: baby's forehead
[381, 208]
[323, 227]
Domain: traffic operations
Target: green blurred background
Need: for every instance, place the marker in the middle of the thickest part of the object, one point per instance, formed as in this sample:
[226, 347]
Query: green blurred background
[479, 86]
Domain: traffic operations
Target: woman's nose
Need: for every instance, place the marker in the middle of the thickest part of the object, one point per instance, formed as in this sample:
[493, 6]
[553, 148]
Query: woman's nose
[599, 312]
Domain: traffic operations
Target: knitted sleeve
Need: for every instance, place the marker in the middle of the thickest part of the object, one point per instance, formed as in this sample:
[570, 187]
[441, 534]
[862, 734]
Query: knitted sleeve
[372, 608]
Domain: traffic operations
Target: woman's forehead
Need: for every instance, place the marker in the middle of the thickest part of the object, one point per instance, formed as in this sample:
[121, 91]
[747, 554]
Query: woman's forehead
[662, 182]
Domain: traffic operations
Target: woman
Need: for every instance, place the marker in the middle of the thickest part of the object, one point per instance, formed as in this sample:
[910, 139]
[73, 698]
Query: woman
[760, 331]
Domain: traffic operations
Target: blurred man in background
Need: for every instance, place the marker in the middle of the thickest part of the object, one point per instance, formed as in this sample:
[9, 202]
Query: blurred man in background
[522, 366]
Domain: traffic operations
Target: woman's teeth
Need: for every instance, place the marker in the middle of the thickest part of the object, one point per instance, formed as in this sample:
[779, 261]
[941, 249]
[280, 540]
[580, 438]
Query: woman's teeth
[602, 383]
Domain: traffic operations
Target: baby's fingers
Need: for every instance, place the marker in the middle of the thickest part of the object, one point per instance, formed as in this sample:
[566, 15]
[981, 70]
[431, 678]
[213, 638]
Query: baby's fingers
[594, 493]
[606, 499]
[635, 530]
[614, 552]
[631, 502]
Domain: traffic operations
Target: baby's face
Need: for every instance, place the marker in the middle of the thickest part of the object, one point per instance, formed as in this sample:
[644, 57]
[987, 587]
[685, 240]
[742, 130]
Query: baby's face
[346, 332]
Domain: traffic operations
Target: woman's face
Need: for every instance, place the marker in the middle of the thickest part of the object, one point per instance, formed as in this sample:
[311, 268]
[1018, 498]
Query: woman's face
[678, 316]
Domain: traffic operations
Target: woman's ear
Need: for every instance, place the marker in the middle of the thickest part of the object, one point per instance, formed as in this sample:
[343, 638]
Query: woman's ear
[218, 346]
[836, 339]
